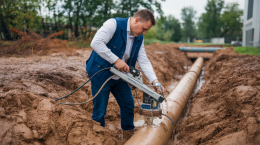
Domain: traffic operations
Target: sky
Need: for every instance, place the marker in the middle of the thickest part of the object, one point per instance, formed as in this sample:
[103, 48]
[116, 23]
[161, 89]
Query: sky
[174, 7]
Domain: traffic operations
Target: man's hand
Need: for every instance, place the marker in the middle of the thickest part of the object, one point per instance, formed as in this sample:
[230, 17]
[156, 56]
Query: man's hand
[121, 65]
[162, 88]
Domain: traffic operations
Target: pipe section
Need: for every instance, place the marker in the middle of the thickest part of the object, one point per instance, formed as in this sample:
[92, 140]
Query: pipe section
[199, 49]
[160, 132]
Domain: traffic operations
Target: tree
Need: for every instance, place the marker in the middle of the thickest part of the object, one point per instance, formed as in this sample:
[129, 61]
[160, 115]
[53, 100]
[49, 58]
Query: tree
[18, 14]
[212, 17]
[68, 8]
[127, 8]
[231, 19]
[176, 26]
[167, 29]
[202, 28]
[215, 23]
[188, 16]
[84, 12]
[173, 25]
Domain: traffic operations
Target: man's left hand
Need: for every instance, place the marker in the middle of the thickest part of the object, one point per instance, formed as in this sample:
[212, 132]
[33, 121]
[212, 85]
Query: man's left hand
[162, 89]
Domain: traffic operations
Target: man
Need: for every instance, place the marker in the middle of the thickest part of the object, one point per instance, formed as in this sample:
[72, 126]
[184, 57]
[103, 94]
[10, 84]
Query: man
[119, 43]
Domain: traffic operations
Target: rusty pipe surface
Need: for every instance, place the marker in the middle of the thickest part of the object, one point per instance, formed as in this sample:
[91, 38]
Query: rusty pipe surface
[159, 133]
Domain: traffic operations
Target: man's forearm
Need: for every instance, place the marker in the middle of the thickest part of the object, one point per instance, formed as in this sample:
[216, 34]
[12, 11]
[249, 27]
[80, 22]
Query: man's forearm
[146, 65]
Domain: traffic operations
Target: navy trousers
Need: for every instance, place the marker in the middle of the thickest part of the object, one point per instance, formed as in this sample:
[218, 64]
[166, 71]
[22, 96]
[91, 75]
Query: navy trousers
[124, 98]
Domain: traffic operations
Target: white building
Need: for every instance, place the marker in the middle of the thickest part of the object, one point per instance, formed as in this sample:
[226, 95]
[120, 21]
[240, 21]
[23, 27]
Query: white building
[251, 25]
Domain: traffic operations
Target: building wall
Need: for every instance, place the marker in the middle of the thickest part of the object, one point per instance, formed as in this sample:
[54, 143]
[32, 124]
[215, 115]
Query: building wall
[251, 27]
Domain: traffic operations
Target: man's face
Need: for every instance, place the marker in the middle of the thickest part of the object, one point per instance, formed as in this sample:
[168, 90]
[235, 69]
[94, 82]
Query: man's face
[139, 27]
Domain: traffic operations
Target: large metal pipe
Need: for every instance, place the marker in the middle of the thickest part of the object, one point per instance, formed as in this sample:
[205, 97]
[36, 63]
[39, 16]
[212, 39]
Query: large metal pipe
[199, 49]
[160, 132]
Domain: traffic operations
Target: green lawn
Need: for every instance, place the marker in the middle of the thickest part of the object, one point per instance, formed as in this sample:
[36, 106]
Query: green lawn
[225, 45]
[247, 50]
[151, 41]
[78, 44]
[6, 43]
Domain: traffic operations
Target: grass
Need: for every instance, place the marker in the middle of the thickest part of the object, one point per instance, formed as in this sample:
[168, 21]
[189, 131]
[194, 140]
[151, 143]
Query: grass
[225, 45]
[151, 41]
[79, 44]
[247, 50]
[198, 43]
[6, 43]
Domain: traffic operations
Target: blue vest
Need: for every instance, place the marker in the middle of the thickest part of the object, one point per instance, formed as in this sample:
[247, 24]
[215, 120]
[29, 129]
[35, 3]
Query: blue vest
[118, 46]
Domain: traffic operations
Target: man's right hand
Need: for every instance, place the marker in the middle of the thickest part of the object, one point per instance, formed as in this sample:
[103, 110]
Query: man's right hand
[121, 65]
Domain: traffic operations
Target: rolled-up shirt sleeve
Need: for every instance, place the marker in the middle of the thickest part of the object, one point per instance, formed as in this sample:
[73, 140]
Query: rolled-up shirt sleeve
[102, 37]
[145, 64]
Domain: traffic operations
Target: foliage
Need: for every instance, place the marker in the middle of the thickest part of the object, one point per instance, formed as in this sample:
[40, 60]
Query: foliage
[21, 13]
[247, 50]
[188, 16]
[151, 41]
[96, 12]
[74, 13]
[151, 34]
[126, 8]
[220, 19]
[212, 17]
[167, 29]
[231, 19]
[176, 26]
[18, 14]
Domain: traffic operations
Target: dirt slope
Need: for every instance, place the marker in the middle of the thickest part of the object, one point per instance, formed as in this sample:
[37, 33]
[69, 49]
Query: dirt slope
[28, 87]
[226, 110]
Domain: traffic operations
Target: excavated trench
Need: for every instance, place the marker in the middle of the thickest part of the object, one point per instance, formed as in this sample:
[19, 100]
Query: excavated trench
[226, 108]
[200, 81]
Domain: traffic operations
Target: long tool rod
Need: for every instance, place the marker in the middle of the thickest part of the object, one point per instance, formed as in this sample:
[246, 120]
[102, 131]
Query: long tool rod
[160, 133]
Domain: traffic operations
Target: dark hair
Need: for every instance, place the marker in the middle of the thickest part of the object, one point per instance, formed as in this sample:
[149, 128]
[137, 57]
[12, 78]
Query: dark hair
[145, 15]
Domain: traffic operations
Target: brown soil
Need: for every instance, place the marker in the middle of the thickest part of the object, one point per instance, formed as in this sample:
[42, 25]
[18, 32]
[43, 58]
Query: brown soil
[226, 110]
[30, 43]
[29, 85]
[199, 54]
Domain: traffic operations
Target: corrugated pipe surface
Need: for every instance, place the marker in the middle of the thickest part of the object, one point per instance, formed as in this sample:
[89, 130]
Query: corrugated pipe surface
[160, 132]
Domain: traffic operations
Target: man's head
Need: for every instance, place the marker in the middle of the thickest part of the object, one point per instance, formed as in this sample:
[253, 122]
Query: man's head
[141, 22]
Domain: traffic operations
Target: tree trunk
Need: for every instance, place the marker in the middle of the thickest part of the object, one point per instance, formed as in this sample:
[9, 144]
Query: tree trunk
[44, 29]
[77, 19]
[130, 7]
[106, 9]
[55, 22]
[5, 28]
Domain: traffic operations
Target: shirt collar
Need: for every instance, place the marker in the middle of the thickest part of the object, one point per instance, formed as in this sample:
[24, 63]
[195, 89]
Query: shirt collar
[128, 27]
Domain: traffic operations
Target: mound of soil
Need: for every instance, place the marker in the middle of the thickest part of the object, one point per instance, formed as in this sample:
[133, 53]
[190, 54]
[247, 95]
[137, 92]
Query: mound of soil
[28, 87]
[31, 43]
[226, 110]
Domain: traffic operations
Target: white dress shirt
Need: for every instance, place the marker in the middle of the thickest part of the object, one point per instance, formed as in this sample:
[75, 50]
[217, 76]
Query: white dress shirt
[105, 34]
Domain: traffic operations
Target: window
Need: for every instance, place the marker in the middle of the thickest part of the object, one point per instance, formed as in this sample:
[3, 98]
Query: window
[250, 9]
[250, 37]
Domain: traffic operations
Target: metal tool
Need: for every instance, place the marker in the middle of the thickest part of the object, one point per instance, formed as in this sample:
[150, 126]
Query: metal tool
[134, 78]
[151, 100]
[150, 107]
